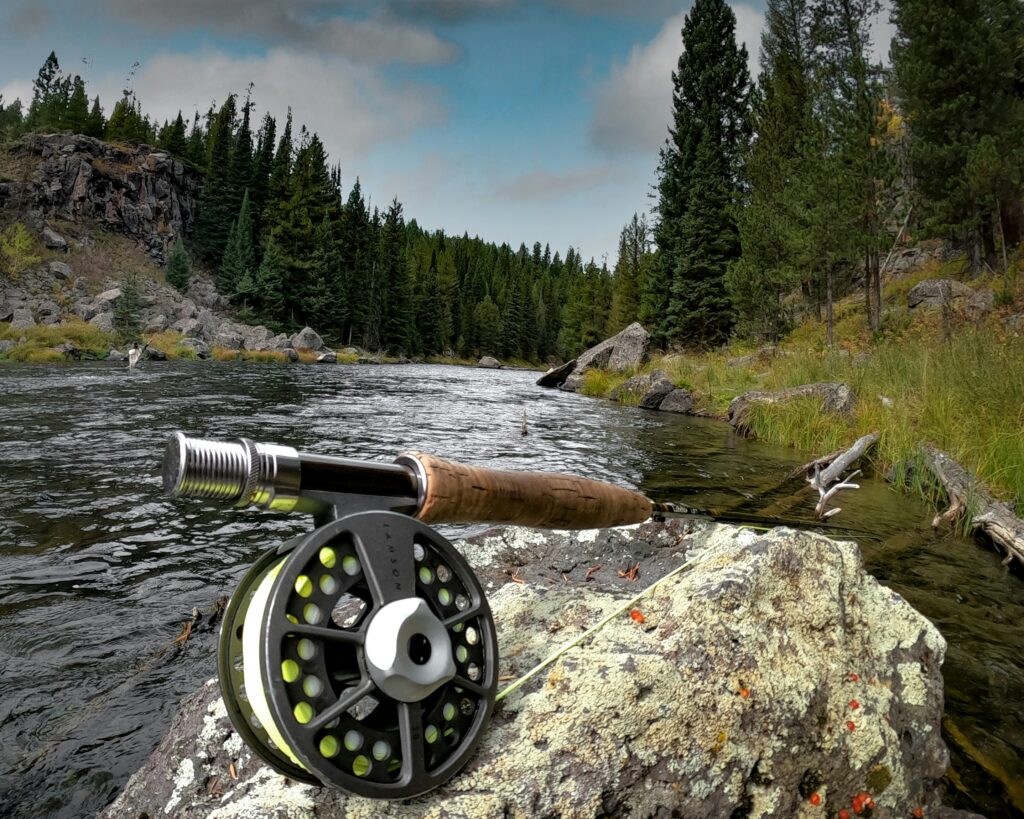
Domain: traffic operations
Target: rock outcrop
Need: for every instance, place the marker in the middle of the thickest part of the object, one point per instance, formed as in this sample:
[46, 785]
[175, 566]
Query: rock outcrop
[935, 293]
[489, 363]
[773, 678]
[135, 190]
[834, 398]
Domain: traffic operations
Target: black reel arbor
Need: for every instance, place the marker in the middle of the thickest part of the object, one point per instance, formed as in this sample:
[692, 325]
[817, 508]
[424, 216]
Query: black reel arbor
[361, 656]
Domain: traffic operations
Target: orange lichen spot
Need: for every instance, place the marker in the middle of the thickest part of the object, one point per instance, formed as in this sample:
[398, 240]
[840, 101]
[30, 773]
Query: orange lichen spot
[815, 799]
[637, 616]
[854, 677]
[918, 812]
[744, 692]
[854, 704]
[843, 814]
[851, 725]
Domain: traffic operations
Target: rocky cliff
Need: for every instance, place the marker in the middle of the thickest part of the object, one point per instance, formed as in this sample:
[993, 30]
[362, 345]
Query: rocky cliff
[131, 189]
[774, 678]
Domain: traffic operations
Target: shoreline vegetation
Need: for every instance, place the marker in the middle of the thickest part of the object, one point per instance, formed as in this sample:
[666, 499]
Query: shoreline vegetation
[927, 377]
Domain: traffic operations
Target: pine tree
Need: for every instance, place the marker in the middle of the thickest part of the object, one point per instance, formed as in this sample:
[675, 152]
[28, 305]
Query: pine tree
[46, 108]
[489, 329]
[77, 116]
[698, 183]
[11, 119]
[396, 324]
[957, 66]
[215, 209]
[179, 271]
[269, 284]
[240, 173]
[126, 309]
[95, 124]
[262, 167]
[324, 305]
[174, 138]
[628, 277]
[239, 255]
[196, 150]
[780, 168]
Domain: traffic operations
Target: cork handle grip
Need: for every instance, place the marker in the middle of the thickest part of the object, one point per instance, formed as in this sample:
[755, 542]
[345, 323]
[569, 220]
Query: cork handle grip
[456, 493]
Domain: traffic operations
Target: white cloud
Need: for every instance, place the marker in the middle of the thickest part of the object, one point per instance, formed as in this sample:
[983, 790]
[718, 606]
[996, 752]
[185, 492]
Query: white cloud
[633, 105]
[319, 25]
[350, 105]
[18, 89]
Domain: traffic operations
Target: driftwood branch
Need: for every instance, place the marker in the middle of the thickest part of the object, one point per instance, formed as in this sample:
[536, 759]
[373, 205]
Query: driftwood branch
[969, 498]
[827, 477]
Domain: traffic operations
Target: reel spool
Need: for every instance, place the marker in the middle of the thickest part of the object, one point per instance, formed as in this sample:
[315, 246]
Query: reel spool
[361, 656]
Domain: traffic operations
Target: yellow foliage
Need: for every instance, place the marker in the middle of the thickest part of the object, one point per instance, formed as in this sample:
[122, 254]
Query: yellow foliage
[19, 250]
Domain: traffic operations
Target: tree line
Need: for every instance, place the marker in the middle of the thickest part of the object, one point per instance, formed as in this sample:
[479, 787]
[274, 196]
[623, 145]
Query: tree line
[779, 195]
[774, 197]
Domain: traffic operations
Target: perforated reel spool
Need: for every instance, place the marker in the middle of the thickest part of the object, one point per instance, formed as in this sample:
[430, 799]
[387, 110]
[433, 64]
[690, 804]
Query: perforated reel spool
[368, 658]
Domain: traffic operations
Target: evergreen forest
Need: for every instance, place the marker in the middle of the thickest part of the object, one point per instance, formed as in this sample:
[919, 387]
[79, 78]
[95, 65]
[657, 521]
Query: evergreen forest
[774, 195]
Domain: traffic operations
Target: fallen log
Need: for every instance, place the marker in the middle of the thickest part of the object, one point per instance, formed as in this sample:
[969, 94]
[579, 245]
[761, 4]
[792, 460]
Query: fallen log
[970, 500]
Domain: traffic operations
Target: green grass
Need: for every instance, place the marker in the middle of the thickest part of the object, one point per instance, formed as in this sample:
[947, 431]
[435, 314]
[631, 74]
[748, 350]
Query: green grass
[601, 383]
[966, 395]
[41, 339]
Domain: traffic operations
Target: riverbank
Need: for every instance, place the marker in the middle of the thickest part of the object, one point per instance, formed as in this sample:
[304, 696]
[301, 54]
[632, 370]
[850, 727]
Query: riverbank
[952, 376]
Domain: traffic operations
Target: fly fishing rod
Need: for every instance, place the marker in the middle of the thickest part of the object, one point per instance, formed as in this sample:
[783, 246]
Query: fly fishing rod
[362, 655]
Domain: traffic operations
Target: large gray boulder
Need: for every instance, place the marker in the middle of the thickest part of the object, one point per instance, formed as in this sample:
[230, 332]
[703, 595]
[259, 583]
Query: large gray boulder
[307, 339]
[936, 292]
[939, 292]
[773, 669]
[53, 240]
[838, 398]
[679, 400]
[60, 271]
[105, 321]
[229, 340]
[197, 345]
[22, 318]
[489, 363]
[626, 350]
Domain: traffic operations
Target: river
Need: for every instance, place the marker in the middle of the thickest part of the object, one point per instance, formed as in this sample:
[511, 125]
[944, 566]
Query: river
[98, 571]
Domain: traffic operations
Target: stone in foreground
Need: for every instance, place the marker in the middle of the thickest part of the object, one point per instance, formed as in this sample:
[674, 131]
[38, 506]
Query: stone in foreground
[775, 662]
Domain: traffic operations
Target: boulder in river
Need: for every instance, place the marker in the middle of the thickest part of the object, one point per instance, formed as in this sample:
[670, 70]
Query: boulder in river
[773, 669]
[834, 398]
[679, 400]
[327, 357]
[489, 363]
[626, 350]
[556, 376]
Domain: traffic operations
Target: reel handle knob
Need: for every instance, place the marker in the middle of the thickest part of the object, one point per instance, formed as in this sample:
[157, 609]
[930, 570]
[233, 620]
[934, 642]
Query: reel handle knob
[456, 493]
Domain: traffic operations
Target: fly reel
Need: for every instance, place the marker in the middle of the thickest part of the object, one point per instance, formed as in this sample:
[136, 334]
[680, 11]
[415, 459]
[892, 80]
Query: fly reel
[361, 656]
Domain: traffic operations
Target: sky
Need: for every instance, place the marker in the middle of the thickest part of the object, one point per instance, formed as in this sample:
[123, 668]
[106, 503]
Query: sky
[515, 120]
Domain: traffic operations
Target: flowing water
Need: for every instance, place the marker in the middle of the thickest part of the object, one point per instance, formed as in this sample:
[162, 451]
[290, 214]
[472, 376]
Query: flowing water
[98, 571]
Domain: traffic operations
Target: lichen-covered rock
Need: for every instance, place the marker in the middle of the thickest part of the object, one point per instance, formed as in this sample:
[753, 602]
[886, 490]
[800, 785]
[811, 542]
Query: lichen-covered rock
[834, 397]
[772, 668]
[489, 363]
[936, 292]
[22, 318]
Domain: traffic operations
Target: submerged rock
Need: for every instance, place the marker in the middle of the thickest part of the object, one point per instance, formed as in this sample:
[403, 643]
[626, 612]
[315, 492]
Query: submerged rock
[773, 668]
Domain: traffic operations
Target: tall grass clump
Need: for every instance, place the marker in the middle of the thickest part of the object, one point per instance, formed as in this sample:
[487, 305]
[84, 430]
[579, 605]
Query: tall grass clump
[965, 395]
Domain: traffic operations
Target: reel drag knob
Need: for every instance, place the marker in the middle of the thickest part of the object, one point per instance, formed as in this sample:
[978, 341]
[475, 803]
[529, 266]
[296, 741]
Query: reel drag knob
[368, 657]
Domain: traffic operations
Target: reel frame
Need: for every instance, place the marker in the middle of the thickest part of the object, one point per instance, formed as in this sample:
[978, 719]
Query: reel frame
[417, 735]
